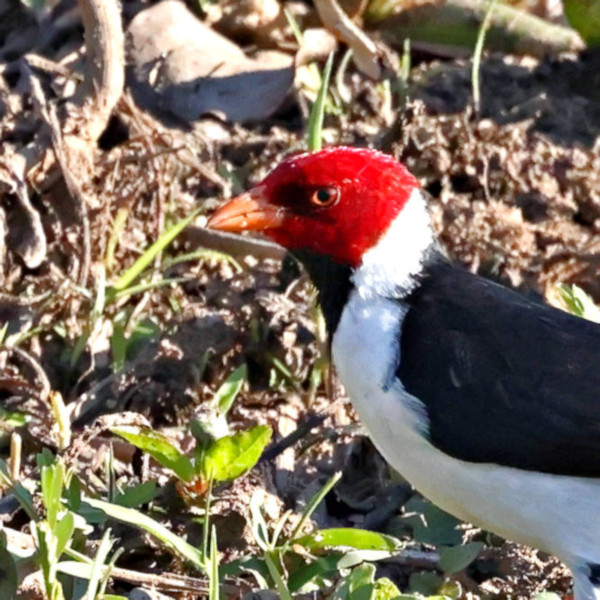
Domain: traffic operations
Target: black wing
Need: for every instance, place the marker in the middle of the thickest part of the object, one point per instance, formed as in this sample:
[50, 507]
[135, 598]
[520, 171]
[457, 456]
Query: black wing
[504, 379]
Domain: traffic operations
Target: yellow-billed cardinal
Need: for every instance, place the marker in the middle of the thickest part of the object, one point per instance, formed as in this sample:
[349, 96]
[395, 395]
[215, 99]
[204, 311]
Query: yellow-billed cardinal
[486, 401]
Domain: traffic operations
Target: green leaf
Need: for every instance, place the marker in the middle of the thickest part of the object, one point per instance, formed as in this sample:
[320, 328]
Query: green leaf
[118, 345]
[385, 589]
[430, 524]
[21, 493]
[248, 564]
[426, 583]
[315, 120]
[138, 519]
[361, 583]
[355, 557]
[137, 494]
[52, 480]
[584, 16]
[457, 558]
[73, 493]
[225, 396]
[74, 568]
[84, 570]
[345, 537]
[12, 419]
[96, 575]
[313, 570]
[159, 447]
[546, 596]
[8, 572]
[232, 455]
[451, 590]
[579, 303]
[63, 531]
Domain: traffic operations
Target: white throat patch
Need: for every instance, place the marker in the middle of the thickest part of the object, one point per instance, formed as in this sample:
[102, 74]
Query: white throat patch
[390, 267]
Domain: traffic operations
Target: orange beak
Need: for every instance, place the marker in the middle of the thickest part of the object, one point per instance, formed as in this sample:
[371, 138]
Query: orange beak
[250, 211]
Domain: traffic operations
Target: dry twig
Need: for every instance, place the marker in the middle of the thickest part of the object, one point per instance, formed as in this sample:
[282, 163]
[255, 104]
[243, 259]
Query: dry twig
[364, 50]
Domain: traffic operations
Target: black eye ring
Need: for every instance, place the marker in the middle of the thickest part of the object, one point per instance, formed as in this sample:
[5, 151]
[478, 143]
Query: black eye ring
[325, 196]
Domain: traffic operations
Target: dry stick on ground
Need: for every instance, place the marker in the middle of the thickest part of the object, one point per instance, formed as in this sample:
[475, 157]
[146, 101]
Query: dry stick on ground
[148, 127]
[237, 246]
[32, 245]
[64, 159]
[100, 90]
[97, 97]
[452, 24]
[364, 50]
[25, 358]
[74, 137]
[105, 65]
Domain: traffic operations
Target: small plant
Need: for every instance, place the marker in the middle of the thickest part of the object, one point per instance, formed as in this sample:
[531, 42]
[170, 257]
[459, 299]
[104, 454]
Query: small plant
[54, 527]
[304, 563]
[218, 456]
[221, 459]
[579, 303]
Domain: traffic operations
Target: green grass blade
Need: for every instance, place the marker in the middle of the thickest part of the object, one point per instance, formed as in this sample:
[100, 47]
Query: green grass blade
[154, 528]
[22, 494]
[314, 502]
[477, 54]
[144, 261]
[97, 568]
[206, 524]
[280, 584]
[227, 393]
[349, 537]
[294, 26]
[315, 121]
[213, 593]
[100, 300]
[9, 579]
[202, 254]
[113, 294]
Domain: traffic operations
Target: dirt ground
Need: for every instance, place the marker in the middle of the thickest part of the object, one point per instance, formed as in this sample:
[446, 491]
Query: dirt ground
[514, 193]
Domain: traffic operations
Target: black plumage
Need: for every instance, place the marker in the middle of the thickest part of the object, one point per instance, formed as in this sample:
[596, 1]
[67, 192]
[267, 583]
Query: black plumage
[504, 379]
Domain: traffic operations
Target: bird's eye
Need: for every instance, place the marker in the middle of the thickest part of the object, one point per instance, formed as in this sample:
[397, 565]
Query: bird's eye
[325, 196]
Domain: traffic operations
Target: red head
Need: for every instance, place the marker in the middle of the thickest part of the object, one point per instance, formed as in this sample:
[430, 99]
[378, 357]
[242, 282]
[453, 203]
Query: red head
[338, 202]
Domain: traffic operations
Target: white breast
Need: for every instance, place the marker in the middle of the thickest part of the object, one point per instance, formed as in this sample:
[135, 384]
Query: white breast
[555, 513]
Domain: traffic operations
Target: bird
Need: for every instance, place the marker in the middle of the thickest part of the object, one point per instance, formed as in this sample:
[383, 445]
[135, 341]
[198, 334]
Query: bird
[486, 400]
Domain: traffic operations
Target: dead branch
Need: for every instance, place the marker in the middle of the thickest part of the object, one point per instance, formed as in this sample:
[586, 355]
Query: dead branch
[364, 50]
[236, 245]
[73, 137]
[455, 24]
[23, 357]
[105, 65]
